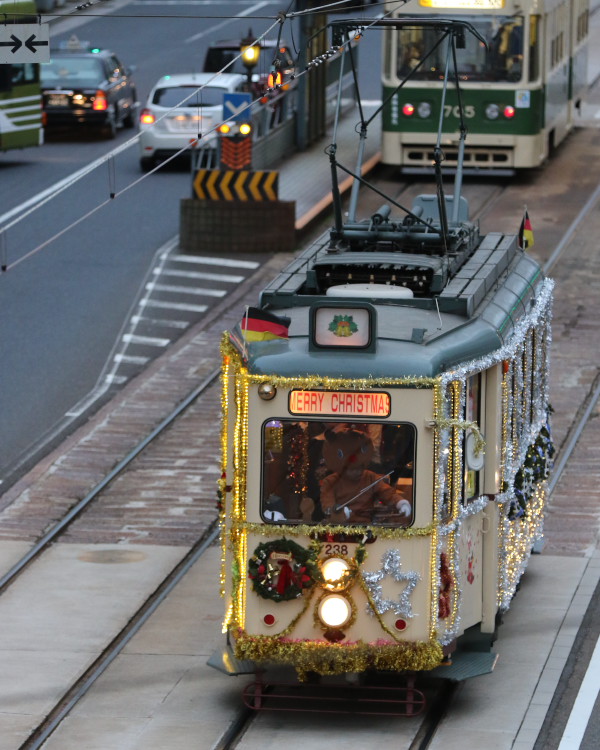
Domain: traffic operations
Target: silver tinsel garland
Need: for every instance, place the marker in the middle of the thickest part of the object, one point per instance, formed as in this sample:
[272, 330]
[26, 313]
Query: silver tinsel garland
[391, 566]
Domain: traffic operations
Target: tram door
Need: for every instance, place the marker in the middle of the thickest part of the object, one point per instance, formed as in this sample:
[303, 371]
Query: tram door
[470, 539]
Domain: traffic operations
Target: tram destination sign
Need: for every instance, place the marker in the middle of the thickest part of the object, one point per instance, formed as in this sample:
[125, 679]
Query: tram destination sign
[341, 403]
[24, 43]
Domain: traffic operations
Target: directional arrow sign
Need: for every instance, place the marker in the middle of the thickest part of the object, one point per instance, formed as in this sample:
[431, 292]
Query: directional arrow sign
[235, 107]
[24, 43]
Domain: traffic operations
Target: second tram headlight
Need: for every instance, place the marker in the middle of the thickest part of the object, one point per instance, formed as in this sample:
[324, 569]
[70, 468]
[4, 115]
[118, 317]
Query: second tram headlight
[334, 611]
[424, 109]
[408, 110]
[509, 112]
[492, 111]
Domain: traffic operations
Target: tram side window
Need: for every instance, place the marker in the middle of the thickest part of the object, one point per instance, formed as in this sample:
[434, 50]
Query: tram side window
[24, 73]
[338, 473]
[5, 77]
[471, 484]
[534, 48]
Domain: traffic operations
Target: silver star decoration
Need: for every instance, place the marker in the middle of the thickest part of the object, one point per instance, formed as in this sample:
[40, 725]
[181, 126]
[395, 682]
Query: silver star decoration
[391, 567]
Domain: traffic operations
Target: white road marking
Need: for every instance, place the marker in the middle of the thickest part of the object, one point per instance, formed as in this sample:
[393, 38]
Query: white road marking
[209, 31]
[162, 322]
[181, 306]
[129, 360]
[200, 275]
[185, 290]
[584, 704]
[210, 261]
[131, 338]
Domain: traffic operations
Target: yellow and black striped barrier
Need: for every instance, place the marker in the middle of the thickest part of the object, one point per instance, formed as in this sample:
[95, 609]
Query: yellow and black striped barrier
[236, 185]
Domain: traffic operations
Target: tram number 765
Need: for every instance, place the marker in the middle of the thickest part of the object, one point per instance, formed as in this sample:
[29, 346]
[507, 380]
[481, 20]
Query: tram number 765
[468, 110]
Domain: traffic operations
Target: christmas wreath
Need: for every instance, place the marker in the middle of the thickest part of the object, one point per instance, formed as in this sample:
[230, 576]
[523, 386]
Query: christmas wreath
[281, 570]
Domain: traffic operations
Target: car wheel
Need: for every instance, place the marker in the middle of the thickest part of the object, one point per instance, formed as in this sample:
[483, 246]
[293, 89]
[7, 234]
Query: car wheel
[147, 163]
[129, 119]
[109, 129]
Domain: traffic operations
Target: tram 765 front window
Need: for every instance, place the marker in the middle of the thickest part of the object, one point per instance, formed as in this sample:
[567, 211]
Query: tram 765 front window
[338, 473]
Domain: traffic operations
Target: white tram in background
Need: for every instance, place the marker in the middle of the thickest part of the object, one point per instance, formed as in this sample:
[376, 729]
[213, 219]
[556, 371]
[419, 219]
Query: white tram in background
[521, 79]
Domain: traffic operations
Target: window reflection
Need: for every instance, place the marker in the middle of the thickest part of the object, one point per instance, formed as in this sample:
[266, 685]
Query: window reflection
[502, 61]
[338, 473]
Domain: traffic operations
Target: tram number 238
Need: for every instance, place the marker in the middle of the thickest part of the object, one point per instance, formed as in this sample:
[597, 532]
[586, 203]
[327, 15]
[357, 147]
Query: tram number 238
[336, 549]
[468, 110]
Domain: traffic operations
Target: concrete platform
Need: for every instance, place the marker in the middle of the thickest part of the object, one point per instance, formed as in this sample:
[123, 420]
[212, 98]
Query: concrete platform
[160, 694]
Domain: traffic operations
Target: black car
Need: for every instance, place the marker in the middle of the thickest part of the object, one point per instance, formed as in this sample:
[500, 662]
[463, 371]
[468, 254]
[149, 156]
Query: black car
[88, 88]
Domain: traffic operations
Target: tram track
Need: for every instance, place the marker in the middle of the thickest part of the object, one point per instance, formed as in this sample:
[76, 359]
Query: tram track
[241, 723]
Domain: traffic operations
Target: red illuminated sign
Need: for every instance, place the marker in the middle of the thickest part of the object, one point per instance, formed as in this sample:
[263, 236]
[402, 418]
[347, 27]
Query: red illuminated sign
[342, 403]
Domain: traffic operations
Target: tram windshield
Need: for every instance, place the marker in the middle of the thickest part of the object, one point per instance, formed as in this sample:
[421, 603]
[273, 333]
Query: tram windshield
[501, 61]
[338, 473]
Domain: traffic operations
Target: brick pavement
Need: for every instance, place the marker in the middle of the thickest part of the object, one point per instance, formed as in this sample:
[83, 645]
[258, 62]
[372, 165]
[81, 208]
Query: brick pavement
[169, 495]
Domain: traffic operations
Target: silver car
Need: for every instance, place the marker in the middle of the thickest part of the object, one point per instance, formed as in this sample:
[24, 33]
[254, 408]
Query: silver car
[183, 111]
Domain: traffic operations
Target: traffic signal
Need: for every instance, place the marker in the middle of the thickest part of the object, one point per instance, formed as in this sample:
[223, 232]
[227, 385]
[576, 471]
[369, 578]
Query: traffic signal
[236, 145]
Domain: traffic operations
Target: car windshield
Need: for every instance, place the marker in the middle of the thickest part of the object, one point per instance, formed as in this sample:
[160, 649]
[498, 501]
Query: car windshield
[72, 71]
[174, 96]
[218, 59]
[338, 472]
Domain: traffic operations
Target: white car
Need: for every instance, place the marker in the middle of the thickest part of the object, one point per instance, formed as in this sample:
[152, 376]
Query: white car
[179, 108]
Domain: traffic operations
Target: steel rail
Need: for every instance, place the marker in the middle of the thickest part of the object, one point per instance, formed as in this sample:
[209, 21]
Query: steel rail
[137, 621]
[51, 535]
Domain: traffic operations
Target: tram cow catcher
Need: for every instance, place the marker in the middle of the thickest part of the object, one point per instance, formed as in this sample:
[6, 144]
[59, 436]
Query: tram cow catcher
[385, 463]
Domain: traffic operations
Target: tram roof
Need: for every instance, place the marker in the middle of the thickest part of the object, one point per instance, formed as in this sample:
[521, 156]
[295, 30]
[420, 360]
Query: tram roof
[474, 314]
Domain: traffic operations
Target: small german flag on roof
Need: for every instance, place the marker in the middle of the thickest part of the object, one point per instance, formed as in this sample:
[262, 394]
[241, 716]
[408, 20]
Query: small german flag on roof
[258, 325]
[525, 240]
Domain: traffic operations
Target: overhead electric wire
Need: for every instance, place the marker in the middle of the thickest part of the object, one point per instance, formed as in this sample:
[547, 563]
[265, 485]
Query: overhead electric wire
[280, 19]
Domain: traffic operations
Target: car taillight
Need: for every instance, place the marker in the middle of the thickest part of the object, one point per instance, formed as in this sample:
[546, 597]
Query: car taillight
[146, 117]
[100, 102]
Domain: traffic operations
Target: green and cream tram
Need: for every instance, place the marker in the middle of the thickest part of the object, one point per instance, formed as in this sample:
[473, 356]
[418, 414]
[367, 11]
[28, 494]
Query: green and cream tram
[521, 81]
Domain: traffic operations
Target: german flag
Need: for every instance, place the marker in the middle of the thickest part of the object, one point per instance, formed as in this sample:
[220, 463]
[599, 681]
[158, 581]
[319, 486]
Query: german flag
[260, 325]
[525, 233]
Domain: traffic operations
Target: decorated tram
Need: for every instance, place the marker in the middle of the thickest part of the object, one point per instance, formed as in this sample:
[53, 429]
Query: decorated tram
[385, 446]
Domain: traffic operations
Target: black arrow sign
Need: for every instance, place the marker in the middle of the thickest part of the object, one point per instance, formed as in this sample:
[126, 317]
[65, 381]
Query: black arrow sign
[16, 43]
[31, 45]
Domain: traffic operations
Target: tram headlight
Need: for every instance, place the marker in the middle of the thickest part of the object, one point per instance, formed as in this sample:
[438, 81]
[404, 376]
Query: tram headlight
[408, 110]
[424, 109]
[509, 112]
[334, 611]
[267, 391]
[336, 574]
[492, 111]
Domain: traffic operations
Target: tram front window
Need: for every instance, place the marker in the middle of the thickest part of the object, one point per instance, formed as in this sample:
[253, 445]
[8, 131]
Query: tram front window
[338, 473]
[501, 61]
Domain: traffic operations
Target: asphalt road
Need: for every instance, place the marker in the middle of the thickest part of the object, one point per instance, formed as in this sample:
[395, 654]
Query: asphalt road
[72, 282]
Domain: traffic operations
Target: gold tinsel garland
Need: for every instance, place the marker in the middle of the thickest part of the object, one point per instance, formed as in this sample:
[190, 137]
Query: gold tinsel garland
[317, 529]
[331, 658]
